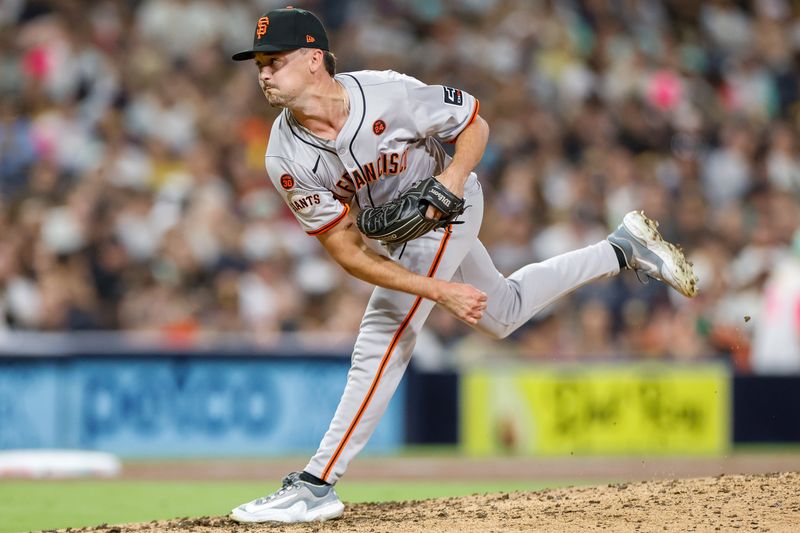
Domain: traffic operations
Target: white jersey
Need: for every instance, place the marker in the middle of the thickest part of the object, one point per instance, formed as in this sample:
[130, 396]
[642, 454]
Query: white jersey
[391, 139]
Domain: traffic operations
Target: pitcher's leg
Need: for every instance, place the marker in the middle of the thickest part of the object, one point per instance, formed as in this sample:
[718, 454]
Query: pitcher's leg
[516, 299]
[381, 354]
[380, 357]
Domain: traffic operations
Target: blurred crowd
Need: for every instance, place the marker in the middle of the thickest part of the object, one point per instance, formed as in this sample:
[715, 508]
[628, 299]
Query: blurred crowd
[133, 194]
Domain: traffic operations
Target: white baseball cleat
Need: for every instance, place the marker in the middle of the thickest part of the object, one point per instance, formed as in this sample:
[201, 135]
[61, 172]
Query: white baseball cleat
[646, 251]
[295, 501]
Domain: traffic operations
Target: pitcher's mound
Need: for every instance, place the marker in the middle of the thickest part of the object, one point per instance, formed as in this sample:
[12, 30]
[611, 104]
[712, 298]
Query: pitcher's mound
[768, 502]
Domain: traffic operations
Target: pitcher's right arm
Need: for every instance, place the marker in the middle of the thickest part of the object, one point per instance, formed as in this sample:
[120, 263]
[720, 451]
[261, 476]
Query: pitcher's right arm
[346, 246]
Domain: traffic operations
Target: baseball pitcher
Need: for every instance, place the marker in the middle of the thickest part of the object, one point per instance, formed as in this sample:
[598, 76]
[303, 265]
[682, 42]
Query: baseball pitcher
[358, 158]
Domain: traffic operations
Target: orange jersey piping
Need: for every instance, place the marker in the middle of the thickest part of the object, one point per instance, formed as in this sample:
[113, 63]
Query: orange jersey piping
[332, 223]
[471, 120]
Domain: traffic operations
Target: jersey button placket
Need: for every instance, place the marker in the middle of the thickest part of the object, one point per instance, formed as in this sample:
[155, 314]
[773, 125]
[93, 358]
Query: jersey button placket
[343, 157]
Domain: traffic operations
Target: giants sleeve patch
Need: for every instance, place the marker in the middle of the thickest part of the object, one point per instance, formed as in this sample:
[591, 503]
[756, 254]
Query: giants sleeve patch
[287, 182]
[453, 96]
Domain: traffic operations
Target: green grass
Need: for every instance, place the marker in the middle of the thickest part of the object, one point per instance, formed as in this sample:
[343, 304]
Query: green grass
[36, 505]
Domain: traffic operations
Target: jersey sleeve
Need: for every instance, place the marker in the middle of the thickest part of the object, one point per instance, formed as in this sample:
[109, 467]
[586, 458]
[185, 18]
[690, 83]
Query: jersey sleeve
[440, 111]
[313, 205]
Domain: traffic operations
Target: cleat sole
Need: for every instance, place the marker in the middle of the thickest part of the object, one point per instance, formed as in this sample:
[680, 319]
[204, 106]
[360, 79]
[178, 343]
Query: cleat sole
[678, 272]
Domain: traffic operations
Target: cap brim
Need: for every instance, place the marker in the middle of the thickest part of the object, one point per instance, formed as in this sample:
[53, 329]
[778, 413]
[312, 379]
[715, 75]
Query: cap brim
[267, 48]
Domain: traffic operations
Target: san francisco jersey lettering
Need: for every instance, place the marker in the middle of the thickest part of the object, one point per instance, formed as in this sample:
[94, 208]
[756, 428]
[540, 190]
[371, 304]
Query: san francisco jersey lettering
[391, 139]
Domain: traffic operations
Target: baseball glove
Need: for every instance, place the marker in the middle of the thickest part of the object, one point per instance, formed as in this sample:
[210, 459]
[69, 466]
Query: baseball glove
[403, 219]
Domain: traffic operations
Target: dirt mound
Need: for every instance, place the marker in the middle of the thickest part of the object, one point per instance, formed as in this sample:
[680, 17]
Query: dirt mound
[769, 502]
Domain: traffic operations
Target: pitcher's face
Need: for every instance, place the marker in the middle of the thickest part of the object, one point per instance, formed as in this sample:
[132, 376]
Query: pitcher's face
[282, 75]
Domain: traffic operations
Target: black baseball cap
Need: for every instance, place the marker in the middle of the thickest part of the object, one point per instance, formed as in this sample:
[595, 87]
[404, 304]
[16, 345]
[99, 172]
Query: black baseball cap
[286, 29]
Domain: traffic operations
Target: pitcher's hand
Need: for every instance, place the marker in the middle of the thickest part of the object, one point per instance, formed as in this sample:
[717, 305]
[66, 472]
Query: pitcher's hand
[464, 301]
[454, 184]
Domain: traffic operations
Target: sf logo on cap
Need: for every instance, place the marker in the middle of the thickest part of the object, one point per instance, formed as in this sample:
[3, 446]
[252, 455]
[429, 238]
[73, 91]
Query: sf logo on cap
[261, 29]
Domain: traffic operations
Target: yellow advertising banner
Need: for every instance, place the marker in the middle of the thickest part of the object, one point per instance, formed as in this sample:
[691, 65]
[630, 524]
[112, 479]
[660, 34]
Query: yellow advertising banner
[662, 409]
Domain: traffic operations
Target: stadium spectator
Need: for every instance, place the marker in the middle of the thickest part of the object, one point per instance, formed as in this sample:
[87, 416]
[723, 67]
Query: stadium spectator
[133, 194]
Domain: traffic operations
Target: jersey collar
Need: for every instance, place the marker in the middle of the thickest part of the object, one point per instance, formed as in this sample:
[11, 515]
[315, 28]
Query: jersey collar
[355, 120]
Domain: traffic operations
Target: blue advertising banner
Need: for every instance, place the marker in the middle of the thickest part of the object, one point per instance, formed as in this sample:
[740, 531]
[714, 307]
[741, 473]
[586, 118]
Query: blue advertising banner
[179, 406]
[30, 414]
